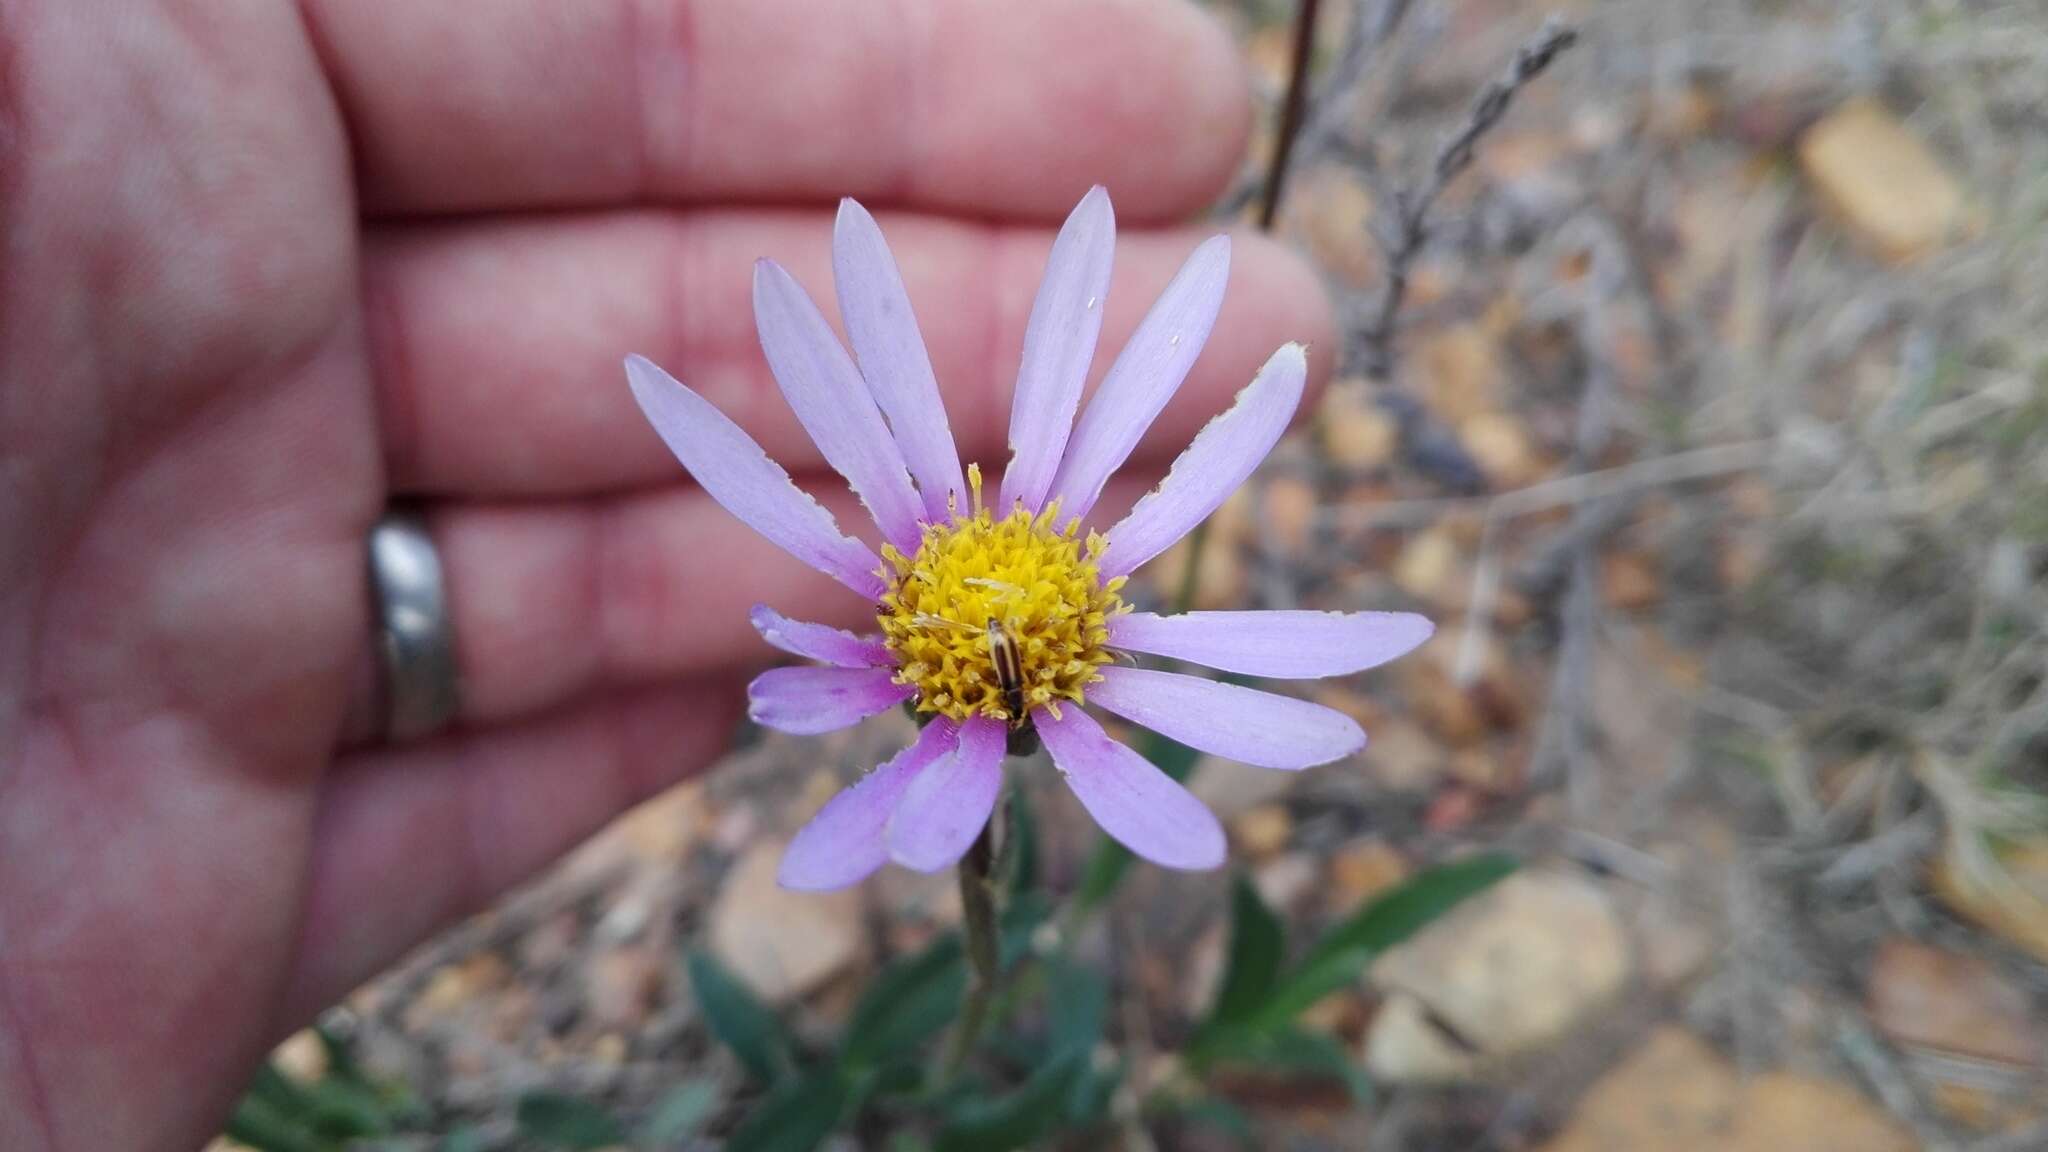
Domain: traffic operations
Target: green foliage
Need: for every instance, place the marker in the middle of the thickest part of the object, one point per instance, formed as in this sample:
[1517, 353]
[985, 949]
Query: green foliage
[280, 1114]
[559, 1121]
[908, 1004]
[799, 1114]
[680, 1114]
[1252, 1018]
[1257, 943]
[1019, 1119]
[739, 1021]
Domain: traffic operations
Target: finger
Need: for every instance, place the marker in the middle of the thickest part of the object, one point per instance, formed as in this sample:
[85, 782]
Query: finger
[498, 344]
[408, 841]
[553, 602]
[465, 105]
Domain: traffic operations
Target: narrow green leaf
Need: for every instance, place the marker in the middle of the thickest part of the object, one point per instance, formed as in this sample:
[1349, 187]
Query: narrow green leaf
[739, 1020]
[1314, 1053]
[1019, 1120]
[911, 1001]
[680, 1114]
[1341, 956]
[1076, 1004]
[347, 1110]
[261, 1124]
[1089, 1098]
[567, 1122]
[1410, 907]
[798, 1116]
[1257, 942]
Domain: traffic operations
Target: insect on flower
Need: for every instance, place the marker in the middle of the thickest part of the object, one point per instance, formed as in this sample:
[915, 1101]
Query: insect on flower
[1002, 618]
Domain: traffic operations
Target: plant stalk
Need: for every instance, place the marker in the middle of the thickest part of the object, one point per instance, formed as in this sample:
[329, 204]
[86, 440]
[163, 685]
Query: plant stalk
[976, 873]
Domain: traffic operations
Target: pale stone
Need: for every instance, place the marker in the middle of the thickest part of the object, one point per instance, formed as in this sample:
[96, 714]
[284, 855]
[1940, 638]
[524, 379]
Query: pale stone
[1881, 181]
[1511, 970]
[783, 944]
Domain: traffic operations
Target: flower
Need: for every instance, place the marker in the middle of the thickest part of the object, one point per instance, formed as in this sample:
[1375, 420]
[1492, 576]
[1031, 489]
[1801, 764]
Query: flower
[995, 619]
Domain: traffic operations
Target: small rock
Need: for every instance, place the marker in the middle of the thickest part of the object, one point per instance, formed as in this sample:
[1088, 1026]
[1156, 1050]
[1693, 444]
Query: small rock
[1231, 789]
[1430, 569]
[1285, 881]
[1364, 869]
[608, 1050]
[1885, 185]
[1461, 373]
[303, 1057]
[1332, 213]
[1402, 757]
[1934, 998]
[453, 986]
[1485, 770]
[1500, 446]
[1677, 1095]
[1628, 581]
[1510, 970]
[783, 944]
[1358, 435]
[1781, 1111]
[621, 986]
[1287, 512]
[1262, 831]
[2014, 904]
[666, 827]
[1463, 713]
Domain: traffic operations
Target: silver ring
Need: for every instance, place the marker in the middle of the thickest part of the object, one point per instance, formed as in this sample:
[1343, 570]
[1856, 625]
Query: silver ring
[415, 636]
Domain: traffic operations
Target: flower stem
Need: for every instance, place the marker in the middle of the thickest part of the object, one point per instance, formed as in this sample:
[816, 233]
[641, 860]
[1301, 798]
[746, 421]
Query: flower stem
[978, 918]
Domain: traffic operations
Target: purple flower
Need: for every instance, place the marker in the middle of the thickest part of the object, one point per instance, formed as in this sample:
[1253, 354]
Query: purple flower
[997, 618]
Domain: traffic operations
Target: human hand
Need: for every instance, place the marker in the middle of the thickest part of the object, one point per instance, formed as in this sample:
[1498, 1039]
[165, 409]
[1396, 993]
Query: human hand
[270, 267]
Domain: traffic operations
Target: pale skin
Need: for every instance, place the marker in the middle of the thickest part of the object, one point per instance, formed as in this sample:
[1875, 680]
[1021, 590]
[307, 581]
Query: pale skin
[269, 267]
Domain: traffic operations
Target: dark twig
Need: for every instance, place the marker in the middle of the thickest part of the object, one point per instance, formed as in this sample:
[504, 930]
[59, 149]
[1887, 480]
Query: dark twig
[1408, 229]
[1290, 111]
[1330, 105]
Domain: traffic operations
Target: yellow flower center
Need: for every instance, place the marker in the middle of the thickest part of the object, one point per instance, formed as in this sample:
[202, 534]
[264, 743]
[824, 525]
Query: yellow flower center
[998, 617]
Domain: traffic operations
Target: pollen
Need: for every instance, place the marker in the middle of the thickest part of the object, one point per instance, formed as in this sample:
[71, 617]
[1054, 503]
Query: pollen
[977, 584]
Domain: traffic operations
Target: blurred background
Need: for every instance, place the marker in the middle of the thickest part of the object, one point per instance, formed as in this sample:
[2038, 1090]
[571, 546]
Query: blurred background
[1712, 428]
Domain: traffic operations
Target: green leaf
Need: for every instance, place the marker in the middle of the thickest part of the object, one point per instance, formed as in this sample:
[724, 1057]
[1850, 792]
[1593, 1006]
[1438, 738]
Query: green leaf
[909, 1002]
[1314, 1053]
[1256, 945]
[1076, 1003]
[1220, 1115]
[1021, 1119]
[463, 1139]
[1342, 954]
[331, 1110]
[741, 1022]
[1018, 923]
[798, 1116]
[567, 1122]
[258, 1122]
[680, 1114]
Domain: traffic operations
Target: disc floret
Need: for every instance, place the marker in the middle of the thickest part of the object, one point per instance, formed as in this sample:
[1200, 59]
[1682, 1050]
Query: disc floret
[1032, 577]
